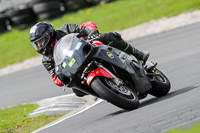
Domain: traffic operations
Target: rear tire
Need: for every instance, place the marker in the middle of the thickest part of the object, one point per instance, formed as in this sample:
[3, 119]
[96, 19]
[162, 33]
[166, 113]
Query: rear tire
[128, 102]
[160, 84]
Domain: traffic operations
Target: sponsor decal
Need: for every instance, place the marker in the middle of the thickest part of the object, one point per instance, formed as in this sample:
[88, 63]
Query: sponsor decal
[71, 62]
[110, 55]
[70, 53]
[64, 65]
[56, 68]
[78, 45]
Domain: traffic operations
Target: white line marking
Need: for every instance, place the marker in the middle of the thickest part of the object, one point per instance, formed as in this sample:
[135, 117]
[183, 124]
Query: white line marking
[50, 125]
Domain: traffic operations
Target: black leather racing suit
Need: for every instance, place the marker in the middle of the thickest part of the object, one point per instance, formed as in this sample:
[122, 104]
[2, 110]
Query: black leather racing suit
[113, 38]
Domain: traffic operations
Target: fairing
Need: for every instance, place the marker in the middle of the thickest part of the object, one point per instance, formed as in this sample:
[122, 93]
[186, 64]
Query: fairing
[70, 53]
[98, 72]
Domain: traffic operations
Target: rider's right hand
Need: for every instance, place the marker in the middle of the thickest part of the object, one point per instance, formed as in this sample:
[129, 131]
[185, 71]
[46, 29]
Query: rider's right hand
[56, 80]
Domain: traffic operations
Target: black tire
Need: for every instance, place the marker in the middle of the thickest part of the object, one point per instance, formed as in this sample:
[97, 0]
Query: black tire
[47, 10]
[3, 26]
[95, 2]
[38, 1]
[106, 92]
[46, 7]
[160, 84]
[16, 12]
[4, 23]
[2, 17]
[22, 19]
[23, 16]
[49, 15]
[73, 5]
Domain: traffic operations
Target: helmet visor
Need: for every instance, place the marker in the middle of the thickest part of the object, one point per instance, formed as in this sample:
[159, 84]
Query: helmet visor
[42, 42]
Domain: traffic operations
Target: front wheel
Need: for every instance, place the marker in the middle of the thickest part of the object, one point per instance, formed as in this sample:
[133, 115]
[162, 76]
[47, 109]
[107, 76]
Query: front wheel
[160, 83]
[121, 96]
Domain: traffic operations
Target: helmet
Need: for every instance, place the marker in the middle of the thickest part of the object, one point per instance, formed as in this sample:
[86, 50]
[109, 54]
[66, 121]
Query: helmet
[41, 37]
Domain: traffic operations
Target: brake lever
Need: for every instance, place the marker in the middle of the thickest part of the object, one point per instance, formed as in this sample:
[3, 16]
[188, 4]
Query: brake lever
[93, 39]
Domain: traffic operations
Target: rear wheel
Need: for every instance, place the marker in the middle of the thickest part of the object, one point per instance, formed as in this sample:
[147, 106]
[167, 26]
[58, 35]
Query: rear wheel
[160, 83]
[121, 96]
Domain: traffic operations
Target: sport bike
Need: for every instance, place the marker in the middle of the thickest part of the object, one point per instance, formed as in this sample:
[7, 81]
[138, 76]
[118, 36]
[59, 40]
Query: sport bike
[106, 72]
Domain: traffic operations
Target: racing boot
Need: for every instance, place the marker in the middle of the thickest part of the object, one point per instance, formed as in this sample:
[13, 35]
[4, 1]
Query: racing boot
[141, 55]
[138, 54]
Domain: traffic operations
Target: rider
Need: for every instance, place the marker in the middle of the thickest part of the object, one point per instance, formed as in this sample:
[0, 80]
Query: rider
[43, 37]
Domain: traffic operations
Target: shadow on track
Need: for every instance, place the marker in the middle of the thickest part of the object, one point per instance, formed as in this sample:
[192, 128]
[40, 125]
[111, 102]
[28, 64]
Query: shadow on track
[170, 95]
[155, 99]
[118, 112]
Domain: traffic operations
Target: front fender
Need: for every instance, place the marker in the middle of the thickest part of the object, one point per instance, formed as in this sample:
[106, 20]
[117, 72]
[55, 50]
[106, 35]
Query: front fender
[98, 72]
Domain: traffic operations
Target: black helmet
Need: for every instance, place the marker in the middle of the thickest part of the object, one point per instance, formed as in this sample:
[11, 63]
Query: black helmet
[41, 36]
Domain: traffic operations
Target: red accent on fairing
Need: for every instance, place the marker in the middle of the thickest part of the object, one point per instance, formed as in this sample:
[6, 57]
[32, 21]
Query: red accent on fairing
[90, 25]
[98, 43]
[56, 80]
[98, 72]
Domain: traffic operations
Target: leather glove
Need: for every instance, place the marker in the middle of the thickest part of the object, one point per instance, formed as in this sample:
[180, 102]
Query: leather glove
[93, 34]
[56, 80]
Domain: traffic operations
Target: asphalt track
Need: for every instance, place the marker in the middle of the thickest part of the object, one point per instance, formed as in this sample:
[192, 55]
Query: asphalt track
[177, 53]
[27, 86]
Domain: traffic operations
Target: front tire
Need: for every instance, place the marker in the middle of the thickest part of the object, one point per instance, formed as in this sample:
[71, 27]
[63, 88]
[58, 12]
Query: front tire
[127, 101]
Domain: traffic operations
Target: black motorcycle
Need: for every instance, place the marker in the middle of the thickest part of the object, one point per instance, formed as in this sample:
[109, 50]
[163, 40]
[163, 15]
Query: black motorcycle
[106, 72]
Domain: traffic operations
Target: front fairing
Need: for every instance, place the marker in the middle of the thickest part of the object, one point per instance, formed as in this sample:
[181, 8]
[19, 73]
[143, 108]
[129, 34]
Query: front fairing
[111, 55]
[70, 54]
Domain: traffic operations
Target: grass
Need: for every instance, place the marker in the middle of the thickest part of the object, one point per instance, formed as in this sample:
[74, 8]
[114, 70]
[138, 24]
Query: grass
[14, 119]
[194, 129]
[15, 45]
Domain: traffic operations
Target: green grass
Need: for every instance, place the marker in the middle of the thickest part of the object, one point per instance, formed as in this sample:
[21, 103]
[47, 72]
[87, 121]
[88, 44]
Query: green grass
[14, 119]
[194, 129]
[15, 45]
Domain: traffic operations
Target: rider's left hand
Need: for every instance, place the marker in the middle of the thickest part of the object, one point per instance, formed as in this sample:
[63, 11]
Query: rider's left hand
[93, 34]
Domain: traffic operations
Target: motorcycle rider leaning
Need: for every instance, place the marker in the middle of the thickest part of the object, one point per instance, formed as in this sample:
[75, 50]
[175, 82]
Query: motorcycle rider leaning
[43, 37]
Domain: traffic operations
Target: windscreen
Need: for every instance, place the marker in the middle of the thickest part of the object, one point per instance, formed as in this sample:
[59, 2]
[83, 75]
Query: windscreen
[62, 48]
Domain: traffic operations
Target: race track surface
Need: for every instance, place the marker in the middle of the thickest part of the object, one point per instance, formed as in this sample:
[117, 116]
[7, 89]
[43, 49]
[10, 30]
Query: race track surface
[177, 53]
[27, 86]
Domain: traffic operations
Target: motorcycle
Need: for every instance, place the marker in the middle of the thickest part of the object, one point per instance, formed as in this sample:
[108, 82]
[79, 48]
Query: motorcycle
[106, 72]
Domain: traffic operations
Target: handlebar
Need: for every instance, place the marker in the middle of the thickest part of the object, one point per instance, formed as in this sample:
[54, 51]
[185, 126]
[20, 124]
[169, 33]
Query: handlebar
[93, 39]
